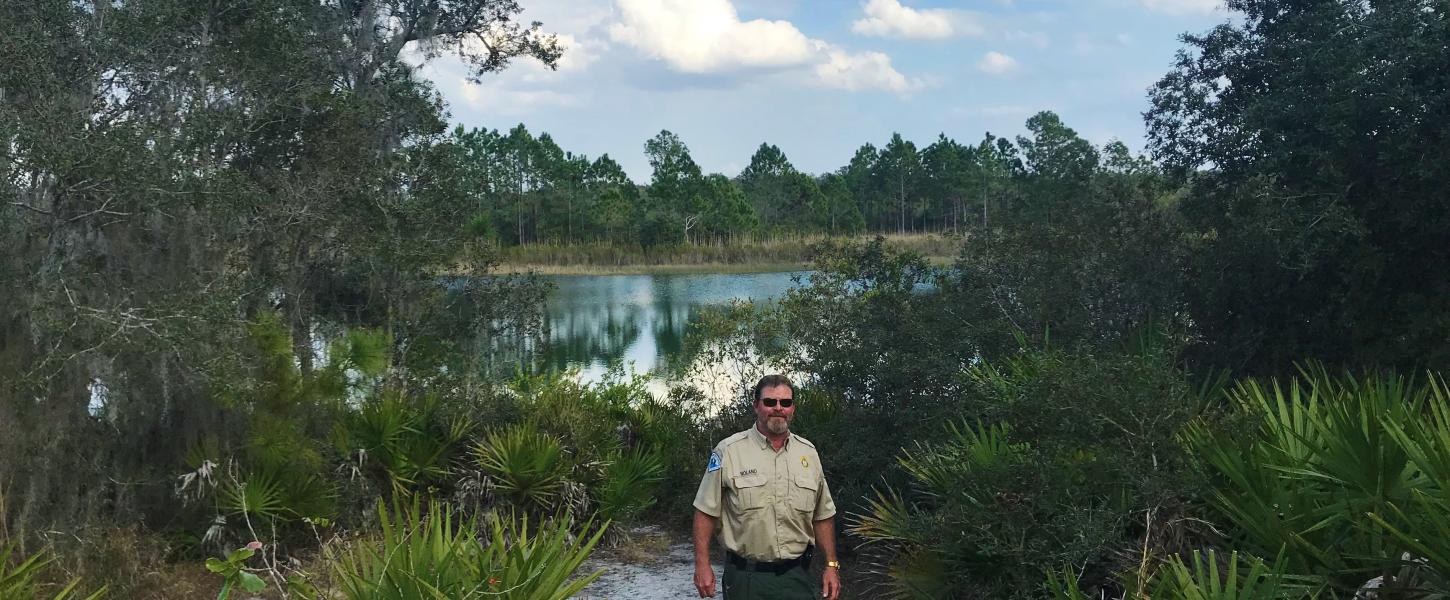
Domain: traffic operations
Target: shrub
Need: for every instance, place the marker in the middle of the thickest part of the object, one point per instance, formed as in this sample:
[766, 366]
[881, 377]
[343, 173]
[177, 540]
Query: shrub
[629, 483]
[437, 555]
[527, 467]
[1346, 476]
[1072, 460]
[408, 447]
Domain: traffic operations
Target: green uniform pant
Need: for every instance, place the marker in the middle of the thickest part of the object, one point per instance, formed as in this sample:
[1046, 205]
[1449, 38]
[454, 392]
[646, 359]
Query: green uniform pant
[793, 584]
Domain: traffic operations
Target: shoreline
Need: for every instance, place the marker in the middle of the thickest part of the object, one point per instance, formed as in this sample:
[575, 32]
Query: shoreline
[703, 268]
[708, 268]
[768, 256]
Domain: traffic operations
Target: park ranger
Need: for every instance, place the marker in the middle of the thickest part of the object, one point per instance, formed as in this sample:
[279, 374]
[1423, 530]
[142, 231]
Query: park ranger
[766, 489]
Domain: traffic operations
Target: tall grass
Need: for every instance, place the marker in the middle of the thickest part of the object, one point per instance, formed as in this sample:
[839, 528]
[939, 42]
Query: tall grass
[23, 577]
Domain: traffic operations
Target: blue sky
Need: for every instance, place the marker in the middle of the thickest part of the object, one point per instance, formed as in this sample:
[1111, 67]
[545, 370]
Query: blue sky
[821, 77]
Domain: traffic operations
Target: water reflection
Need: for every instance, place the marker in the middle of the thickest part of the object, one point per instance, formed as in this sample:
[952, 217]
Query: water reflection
[598, 322]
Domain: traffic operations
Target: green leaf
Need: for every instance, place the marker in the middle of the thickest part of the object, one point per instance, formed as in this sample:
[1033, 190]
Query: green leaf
[251, 582]
[217, 565]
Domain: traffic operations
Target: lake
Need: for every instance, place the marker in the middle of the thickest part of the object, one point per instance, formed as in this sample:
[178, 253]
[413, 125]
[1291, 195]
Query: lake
[596, 321]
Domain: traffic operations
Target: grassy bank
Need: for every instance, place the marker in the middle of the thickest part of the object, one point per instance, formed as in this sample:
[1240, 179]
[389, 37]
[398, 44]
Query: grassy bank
[754, 256]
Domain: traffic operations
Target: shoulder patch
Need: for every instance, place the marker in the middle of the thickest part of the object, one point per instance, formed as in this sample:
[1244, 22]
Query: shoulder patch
[714, 464]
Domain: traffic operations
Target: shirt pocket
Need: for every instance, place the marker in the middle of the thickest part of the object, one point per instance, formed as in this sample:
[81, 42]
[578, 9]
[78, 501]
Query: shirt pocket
[750, 491]
[803, 490]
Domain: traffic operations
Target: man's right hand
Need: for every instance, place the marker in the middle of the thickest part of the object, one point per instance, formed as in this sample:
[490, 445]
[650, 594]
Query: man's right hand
[705, 580]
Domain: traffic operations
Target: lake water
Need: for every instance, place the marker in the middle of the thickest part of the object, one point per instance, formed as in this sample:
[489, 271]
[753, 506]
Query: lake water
[596, 321]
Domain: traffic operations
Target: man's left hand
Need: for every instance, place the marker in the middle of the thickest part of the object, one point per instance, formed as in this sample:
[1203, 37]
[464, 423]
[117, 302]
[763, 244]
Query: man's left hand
[830, 584]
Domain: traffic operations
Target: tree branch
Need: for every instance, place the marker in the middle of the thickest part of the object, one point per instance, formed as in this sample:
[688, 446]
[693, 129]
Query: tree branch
[29, 207]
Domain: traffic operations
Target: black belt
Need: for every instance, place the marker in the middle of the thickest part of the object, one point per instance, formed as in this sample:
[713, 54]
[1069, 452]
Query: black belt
[774, 566]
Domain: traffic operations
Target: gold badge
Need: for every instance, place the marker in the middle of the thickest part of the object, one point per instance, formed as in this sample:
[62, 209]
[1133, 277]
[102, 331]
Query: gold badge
[805, 463]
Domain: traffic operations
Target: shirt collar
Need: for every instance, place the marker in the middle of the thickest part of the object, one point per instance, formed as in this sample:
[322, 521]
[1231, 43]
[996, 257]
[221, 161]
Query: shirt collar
[763, 441]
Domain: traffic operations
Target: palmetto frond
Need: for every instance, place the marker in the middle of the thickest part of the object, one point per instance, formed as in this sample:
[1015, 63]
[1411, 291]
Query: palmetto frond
[526, 465]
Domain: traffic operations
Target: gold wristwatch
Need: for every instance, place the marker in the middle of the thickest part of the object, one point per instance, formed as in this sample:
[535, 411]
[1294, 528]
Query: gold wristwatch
[834, 564]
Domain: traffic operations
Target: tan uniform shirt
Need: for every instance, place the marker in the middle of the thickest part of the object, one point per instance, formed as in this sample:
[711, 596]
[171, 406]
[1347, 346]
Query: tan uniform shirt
[766, 500]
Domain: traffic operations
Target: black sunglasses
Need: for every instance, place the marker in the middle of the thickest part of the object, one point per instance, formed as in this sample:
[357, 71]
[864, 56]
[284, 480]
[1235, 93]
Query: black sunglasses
[770, 402]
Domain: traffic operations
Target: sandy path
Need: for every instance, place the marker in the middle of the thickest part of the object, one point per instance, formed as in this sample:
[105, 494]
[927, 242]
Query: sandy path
[668, 576]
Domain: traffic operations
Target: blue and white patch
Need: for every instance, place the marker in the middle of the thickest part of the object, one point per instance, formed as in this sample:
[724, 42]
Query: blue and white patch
[714, 463]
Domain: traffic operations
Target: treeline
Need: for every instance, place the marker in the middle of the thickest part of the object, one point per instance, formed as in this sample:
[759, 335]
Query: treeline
[525, 189]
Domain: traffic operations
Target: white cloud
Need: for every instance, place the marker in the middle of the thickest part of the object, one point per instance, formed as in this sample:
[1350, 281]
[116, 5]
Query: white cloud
[707, 36]
[1185, 7]
[862, 71]
[578, 55]
[569, 16]
[888, 18]
[996, 63]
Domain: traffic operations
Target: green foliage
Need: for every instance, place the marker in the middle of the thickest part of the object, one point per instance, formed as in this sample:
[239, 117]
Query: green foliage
[21, 577]
[629, 485]
[1335, 473]
[408, 446]
[527, 466]
[280, 495]
[1045, 268]
[585, 418]
[1425, 528]
[1290, 206]
[535, 193]
[1202, 580]
[621, 448]
[1073, 461]
[240, 171]
[437, 556]
[279, 476]
[234, 573]
[1058, 155]
[863, 330]
[1064, 586]
[939, 469]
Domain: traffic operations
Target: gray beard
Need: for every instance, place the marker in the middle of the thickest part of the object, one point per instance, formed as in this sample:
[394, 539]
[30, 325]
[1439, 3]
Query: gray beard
[777, 425]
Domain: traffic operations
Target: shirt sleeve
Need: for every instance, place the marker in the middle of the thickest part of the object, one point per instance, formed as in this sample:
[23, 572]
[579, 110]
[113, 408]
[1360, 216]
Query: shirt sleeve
[825, 505]
[707, 499]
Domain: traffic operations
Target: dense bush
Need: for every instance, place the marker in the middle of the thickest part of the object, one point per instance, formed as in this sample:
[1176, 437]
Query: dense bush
[1122, 478]
[1059, 459]
[1344, 476]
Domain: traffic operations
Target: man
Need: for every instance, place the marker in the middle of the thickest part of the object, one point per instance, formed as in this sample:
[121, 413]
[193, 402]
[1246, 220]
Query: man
[767, 486]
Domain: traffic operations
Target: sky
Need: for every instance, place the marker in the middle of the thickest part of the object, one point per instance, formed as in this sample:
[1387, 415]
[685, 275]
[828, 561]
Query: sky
[819, 78]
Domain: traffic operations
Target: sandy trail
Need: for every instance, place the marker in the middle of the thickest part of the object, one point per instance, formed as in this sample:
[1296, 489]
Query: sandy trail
[669, 575]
